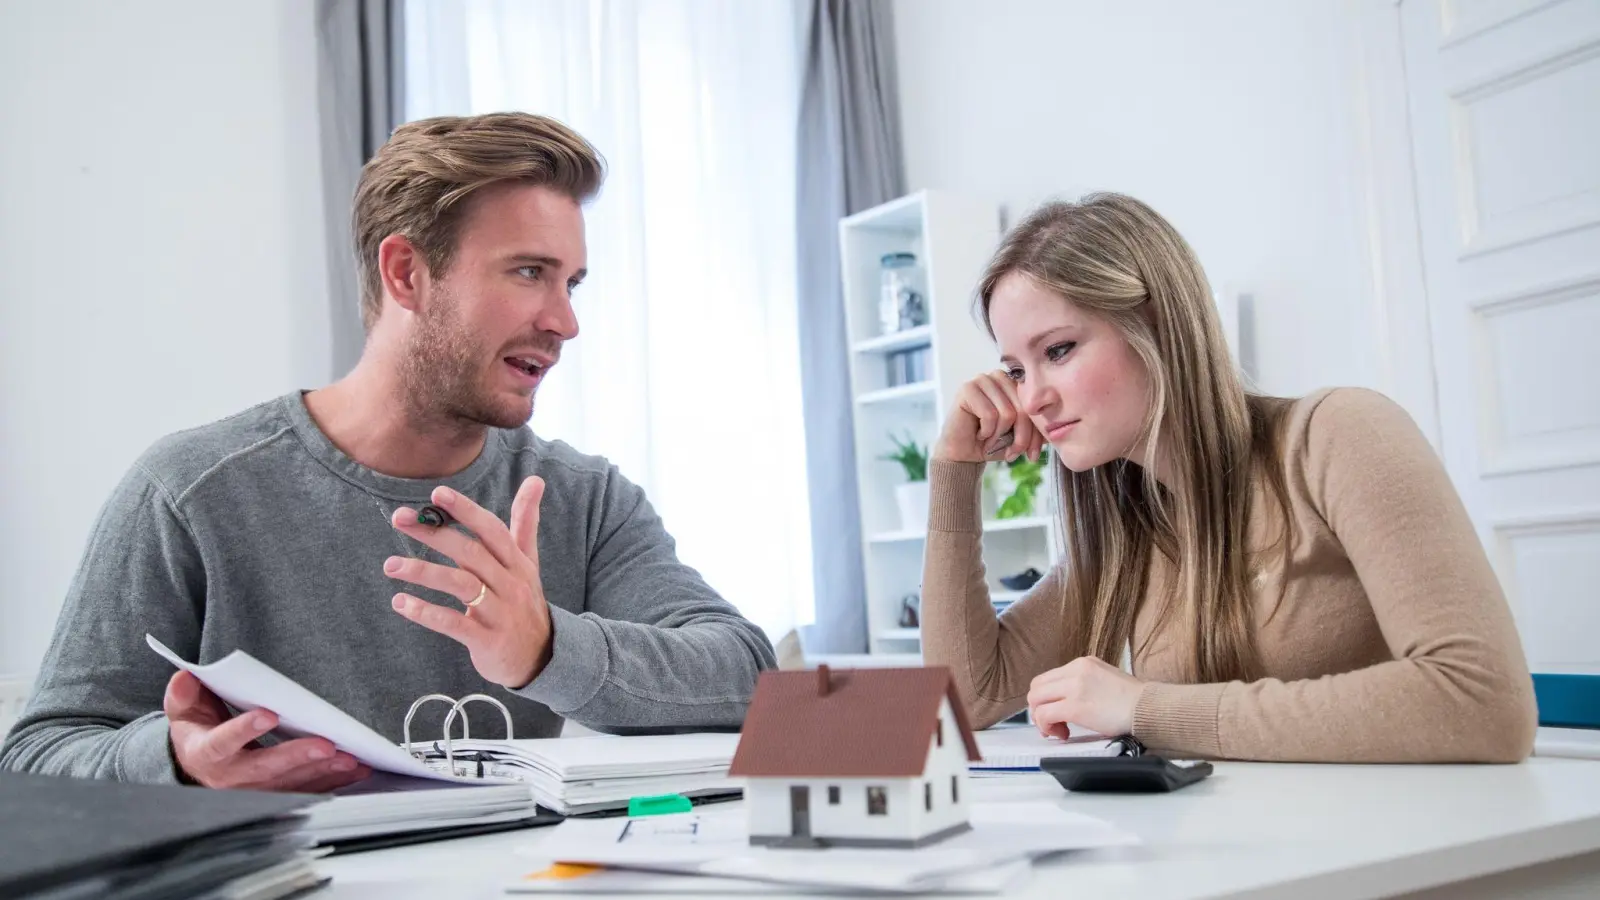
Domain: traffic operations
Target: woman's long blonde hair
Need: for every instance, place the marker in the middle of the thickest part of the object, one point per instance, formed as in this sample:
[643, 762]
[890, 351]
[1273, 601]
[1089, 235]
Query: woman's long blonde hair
[1114, 257]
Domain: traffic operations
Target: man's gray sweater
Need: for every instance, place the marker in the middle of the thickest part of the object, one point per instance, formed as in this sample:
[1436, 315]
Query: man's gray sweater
[256, 533]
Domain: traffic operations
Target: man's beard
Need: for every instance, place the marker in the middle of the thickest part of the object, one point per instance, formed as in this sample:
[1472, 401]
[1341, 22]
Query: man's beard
[443, 372]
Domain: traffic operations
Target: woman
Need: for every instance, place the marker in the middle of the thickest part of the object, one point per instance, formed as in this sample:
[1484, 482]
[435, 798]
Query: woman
[1292, 579]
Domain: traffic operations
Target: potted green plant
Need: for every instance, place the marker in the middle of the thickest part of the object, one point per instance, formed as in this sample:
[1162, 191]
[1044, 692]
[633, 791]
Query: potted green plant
[912, 497]
[1017, 485]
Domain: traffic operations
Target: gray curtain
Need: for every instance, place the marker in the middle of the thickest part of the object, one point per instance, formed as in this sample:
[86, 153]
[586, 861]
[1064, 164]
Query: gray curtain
[360, 62]
[850, 159]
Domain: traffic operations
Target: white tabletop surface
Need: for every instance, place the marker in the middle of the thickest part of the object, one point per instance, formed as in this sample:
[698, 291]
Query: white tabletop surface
[1258, 830]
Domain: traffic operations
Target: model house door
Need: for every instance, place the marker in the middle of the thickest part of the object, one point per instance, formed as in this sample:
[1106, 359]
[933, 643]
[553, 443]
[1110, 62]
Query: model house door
[1504, 103]
[800, 811]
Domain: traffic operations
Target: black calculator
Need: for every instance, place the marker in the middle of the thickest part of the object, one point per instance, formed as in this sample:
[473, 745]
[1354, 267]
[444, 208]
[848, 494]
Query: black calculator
[1124, 774]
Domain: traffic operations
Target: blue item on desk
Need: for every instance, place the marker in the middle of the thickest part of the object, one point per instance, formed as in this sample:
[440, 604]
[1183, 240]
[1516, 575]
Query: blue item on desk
[1567, 701]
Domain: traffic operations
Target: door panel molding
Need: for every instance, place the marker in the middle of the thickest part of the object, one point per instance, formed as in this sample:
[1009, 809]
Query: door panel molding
[1504, 450]
[1558, 627]
[1483, 231]
[1458, 24]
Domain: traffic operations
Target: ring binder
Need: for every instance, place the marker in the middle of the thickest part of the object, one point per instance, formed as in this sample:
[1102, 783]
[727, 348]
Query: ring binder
[456, 707]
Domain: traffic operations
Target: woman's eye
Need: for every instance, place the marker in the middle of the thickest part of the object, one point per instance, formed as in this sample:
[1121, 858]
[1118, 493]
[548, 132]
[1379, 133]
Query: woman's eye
[530, 272]
[572, 286]
[1014, 374]
[1056, 352]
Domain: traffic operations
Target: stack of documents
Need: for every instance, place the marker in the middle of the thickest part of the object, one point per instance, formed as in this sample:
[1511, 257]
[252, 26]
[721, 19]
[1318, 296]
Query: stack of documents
[715, 845]
[578, 775]
[1019, 748]
[385, 805]
[71, 838]
[569, 776]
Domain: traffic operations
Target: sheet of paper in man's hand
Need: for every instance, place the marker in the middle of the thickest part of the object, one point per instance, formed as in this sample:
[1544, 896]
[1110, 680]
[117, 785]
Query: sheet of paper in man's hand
[246, 683]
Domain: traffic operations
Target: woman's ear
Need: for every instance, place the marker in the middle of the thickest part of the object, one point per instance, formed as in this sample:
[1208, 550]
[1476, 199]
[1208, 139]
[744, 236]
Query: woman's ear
[401, 270]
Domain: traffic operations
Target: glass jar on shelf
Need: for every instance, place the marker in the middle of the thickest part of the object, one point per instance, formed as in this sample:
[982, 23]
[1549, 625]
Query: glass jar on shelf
[902, 303]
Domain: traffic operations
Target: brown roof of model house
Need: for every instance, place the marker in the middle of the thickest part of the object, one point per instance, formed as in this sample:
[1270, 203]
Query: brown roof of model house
[847, 723]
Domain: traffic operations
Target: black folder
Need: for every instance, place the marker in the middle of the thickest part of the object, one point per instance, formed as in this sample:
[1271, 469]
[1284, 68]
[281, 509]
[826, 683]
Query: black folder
[92, 838]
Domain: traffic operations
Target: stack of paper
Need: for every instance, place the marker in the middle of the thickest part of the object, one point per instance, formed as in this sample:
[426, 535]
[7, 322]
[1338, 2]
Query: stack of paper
[1019, 748]
[73, 838]
[386, 804]
[578, 775]
[569, 776]
[245, 683]
[715, 843]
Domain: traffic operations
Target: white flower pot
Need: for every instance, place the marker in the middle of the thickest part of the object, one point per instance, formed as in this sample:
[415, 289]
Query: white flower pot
[1003, 484]
[913, 500]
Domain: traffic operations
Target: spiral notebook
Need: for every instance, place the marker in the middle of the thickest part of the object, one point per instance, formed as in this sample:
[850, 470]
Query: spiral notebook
[570, 776]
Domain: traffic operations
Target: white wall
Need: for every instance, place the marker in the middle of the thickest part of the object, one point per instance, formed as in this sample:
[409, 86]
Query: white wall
[1238, 121]
[161, 253]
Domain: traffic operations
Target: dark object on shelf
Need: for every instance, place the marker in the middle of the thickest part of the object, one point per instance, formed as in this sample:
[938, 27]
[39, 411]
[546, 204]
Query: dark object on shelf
[913, 311]
[907, 366]
[910, 611]
[1023, 580]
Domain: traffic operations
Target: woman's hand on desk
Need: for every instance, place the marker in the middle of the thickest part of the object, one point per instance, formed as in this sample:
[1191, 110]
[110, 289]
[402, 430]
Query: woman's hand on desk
[1088, 691]
[508, 631]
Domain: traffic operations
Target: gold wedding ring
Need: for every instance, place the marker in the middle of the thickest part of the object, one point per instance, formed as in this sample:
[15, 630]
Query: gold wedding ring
[479, 599]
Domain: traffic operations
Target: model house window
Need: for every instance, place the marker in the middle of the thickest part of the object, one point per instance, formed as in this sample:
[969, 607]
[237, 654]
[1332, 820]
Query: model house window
[833, 795]
[877, 801]
[927, 795]
[955, 792]
[938, 736]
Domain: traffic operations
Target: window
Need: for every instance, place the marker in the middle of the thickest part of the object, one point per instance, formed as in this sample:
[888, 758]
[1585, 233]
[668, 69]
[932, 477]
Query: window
[877, 801]
[955, 792]
[927, 795]
[833, 795]
[938, 735]
[695, 106]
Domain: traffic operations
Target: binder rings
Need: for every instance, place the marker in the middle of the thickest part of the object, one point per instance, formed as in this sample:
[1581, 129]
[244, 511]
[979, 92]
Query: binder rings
[569, 776]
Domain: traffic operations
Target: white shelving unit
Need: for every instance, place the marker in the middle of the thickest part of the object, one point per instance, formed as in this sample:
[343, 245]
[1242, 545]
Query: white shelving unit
[953, 238]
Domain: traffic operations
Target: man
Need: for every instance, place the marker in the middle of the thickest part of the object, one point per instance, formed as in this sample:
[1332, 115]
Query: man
[291, 531]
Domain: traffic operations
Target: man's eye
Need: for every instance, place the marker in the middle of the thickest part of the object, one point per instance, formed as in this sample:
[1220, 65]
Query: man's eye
[1056, 351]
[530, 272]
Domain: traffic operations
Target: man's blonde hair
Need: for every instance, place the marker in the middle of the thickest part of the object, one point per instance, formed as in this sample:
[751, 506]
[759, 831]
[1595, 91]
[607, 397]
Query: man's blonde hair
[420, 182]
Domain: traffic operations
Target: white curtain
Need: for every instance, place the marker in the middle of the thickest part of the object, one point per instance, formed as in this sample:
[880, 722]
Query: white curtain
[686, 372]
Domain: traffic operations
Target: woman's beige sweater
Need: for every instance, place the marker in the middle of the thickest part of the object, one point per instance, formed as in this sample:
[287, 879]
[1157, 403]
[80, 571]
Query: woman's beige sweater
[1392, 642]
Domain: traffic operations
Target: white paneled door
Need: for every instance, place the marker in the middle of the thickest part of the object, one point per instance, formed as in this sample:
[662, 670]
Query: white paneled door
[1504, 99]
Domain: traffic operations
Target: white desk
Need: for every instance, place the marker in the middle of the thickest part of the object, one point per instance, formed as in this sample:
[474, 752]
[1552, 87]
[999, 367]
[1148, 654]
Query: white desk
[1250, 830]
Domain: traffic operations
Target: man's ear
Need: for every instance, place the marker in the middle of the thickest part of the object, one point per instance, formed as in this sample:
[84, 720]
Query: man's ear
[402, 271]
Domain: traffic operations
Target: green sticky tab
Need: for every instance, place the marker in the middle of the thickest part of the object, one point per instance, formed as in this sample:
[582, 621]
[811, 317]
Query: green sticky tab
[659, 806]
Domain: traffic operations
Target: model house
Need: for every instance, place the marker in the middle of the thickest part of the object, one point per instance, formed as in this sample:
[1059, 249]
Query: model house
[855, 757]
